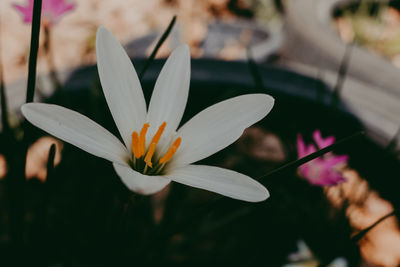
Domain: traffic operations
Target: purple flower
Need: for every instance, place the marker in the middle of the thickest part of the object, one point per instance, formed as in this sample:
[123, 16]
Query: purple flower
[321, 171]
[52, 10]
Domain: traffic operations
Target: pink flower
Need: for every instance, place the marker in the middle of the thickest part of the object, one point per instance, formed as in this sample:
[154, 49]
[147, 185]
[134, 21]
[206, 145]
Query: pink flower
[321, 171]
[52, 10]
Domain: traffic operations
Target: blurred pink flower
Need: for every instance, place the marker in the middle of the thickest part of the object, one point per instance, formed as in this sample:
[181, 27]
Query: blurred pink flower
[321, 171]
[52, 10]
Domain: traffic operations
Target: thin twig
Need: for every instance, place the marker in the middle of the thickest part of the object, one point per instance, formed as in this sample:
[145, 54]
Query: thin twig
[299, 162]
[4, 109]
[17, 169]
[37, 11]
[255, 72]
[157, 47]
[357, 237]
[48, 182]
[50, 162]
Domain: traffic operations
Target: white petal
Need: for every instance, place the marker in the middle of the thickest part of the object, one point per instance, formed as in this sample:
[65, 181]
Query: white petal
[120, 84]
[222, 181]
[139, 183]
[170, 93]
[219, 126]
[76, 129]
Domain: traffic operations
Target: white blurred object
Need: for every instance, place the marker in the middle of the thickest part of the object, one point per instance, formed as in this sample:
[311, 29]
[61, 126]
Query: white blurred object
[305, 258]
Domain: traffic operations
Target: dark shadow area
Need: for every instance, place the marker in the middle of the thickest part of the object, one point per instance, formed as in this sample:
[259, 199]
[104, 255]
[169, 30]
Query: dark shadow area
[92, 219]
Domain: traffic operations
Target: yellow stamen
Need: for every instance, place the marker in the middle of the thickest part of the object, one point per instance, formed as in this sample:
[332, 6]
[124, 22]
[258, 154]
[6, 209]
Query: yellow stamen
[153, 144]
[170, 153]
[142, 139]
[135, 145]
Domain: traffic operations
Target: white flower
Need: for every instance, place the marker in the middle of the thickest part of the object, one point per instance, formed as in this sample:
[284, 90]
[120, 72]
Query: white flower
[150, 161]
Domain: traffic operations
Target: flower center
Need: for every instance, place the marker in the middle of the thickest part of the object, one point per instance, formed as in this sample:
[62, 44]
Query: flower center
[142, 159]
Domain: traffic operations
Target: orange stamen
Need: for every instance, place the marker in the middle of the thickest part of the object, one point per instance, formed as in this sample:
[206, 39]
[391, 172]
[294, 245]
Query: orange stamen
[170, 153]
[153, 144]
[135, 145]
[159, 132]
[142, 139]
[149, 154]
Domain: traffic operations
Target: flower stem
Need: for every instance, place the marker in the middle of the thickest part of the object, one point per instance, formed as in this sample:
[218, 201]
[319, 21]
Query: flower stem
[17, 170]
[157, 47]
[4, 110]
[357, 237]
[37, 10]
[299, 162]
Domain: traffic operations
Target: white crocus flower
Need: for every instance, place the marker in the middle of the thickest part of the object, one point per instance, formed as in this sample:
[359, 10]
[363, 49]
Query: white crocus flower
[155, 152]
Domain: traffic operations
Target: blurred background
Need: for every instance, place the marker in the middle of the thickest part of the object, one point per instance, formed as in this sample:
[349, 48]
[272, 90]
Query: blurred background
[331, 65]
